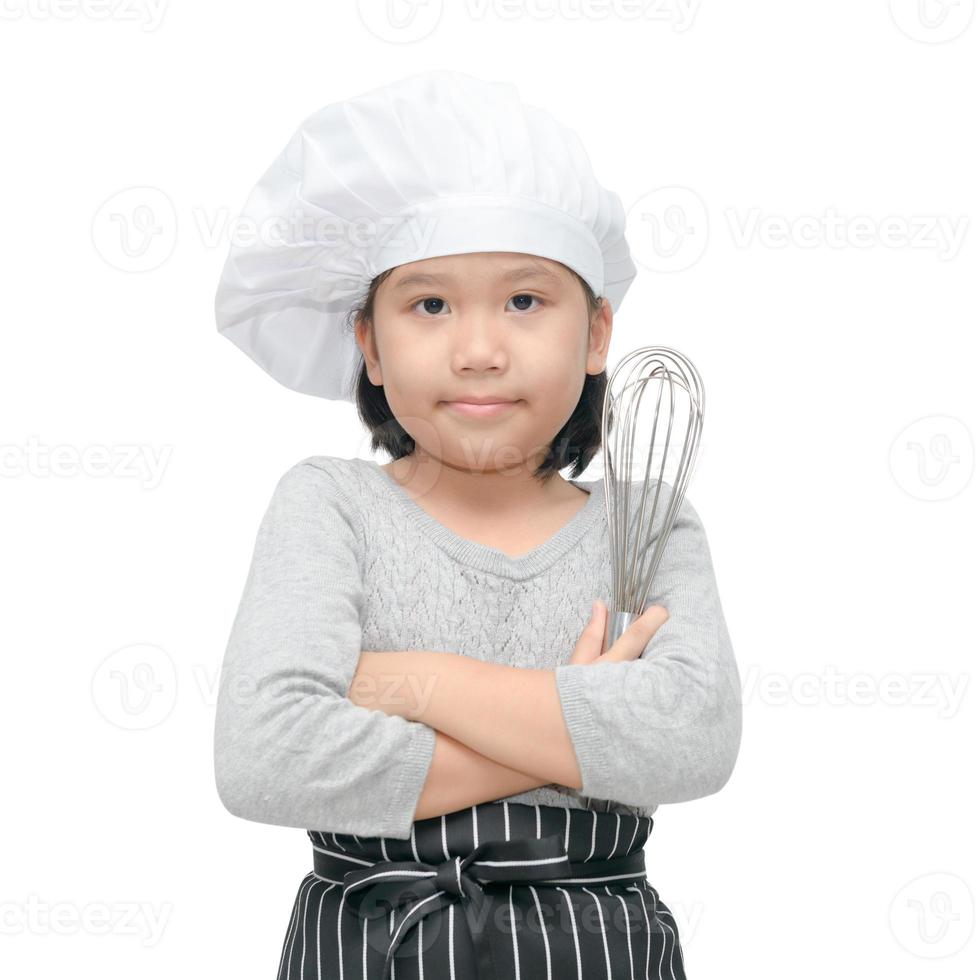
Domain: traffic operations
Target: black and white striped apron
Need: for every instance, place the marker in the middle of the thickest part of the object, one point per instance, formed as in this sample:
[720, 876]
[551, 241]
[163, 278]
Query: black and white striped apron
[497, 891]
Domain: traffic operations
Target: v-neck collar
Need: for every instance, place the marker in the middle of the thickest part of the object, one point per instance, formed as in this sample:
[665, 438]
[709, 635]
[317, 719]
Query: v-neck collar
[484, 557]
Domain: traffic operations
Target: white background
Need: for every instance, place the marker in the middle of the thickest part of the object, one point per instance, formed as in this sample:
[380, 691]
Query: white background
[823, 161]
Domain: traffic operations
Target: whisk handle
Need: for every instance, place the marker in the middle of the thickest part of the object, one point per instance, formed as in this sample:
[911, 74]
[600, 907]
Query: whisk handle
[616, 623]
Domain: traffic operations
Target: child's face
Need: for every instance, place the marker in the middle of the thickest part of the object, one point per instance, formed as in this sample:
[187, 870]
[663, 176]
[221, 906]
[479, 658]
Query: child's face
[489, 324]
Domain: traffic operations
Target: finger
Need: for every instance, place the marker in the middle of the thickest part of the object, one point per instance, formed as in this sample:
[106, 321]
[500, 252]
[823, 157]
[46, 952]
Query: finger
[638, 634]
[598, 615]
[649, 622]
[658, 614]
[599, 625]
[596, 630]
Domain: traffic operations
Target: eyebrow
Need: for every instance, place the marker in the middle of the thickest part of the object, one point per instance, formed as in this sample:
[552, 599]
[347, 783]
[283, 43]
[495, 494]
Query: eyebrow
[523, 272]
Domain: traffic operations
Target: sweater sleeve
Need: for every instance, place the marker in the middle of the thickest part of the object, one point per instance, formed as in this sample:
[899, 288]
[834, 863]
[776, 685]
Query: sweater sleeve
[665, 727]
[290, 748]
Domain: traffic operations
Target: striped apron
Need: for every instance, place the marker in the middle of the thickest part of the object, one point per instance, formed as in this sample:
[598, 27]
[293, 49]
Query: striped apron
[496, 891]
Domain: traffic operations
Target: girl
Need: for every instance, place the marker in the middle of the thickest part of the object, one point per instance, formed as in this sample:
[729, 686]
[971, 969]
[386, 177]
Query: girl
[415, 674]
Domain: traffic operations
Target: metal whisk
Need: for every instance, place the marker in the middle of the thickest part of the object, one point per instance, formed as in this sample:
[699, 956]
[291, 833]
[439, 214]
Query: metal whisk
[640, 381]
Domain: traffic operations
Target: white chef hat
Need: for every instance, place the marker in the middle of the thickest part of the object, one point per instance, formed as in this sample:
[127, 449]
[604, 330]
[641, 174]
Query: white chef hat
[438, 163]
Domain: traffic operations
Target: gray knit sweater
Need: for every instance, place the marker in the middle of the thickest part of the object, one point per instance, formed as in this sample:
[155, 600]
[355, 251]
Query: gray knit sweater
[346, 560]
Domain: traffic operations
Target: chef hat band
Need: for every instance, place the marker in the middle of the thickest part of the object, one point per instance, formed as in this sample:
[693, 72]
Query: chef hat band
[491, 223]
[438, 163]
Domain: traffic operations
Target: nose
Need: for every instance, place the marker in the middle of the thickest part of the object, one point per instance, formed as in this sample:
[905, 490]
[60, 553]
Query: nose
[479, 343]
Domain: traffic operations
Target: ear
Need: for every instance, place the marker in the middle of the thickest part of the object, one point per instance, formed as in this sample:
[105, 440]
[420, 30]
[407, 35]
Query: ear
[364, 335]
[600, 333]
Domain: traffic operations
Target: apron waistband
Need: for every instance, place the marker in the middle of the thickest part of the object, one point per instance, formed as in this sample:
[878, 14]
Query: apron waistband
[417, 888]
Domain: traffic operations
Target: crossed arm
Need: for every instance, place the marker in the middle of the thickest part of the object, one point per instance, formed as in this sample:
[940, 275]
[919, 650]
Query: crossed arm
[499, 729]
[291, 748]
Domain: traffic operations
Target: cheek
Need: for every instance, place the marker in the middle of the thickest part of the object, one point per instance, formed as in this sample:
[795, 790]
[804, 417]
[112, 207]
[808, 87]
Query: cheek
[553, 399]
[556, 370]
[558, 345]
[407, 365]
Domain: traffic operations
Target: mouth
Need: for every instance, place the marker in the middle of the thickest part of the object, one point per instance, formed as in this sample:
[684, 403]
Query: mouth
[480, 409]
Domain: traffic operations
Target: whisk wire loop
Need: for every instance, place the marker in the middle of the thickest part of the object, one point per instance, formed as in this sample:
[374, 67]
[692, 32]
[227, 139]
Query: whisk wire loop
[632, 531]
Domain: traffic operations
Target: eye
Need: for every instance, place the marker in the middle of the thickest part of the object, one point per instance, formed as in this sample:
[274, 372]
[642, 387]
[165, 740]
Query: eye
[525, 296]
[427, 300]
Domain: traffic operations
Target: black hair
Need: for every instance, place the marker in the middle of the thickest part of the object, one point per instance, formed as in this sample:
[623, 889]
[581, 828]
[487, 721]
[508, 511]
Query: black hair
[579, 439]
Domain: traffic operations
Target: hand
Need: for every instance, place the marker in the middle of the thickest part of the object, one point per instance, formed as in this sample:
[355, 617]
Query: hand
[629, 646]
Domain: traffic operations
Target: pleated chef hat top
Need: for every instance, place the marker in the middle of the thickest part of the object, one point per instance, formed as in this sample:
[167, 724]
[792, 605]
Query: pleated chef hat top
[438, 163]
